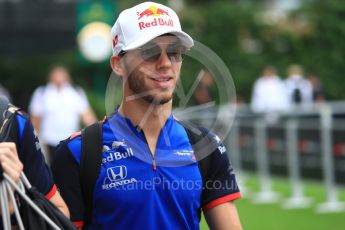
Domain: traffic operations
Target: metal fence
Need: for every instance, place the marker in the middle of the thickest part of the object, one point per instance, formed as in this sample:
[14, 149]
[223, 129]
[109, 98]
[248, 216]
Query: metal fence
[303, 143]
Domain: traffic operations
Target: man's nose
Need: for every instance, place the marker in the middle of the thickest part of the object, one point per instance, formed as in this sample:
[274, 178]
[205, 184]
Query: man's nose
[164, 59]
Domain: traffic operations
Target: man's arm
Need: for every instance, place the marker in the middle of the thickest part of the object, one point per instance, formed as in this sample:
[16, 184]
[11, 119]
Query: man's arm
[36, 122]
[66, 176]
[217, 203]
[88, 117]
[223, 216]
[35, 168]
[36, 107]
[57, 200]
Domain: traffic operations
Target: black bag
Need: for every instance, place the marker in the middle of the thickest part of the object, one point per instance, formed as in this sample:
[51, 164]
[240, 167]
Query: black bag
[32, 220]
[297, 96]
[35, 211]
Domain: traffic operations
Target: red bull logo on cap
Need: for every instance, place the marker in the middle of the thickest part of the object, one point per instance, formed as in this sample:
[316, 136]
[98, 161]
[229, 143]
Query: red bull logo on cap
[154, 11]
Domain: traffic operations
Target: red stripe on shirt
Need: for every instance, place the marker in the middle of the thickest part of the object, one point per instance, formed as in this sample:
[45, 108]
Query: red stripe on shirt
[51, 193]
[222, 200]
[78, 224]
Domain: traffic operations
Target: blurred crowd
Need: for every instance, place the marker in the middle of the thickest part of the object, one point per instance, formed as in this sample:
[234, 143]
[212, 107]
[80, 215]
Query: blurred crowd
[270, 92]
[273, 94]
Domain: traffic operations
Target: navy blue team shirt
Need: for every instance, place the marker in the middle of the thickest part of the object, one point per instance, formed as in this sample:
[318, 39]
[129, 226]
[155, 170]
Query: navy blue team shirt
[136, 189]
[30, 154]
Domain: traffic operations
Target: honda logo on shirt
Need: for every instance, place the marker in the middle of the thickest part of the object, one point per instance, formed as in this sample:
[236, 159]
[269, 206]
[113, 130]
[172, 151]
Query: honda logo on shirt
[117, 173]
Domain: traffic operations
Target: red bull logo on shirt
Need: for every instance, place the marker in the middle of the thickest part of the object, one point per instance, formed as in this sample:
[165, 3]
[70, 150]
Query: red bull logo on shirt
[158, 20]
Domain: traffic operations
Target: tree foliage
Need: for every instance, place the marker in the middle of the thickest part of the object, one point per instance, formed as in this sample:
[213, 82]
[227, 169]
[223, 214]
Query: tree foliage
[324, 48]
[311, 35]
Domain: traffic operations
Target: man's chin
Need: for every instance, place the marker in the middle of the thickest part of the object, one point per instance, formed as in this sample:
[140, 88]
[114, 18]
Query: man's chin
[157, 100]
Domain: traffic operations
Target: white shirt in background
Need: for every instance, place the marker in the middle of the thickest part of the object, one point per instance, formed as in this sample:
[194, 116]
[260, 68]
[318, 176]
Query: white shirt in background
[59, 110]
[305, 88]
[269, 95]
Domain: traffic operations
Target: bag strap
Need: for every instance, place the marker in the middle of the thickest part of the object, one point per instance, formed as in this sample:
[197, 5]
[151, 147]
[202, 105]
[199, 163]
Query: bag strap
[196, 135]
[8, 130]
[3, 107]
[7, 113]
[90, 164]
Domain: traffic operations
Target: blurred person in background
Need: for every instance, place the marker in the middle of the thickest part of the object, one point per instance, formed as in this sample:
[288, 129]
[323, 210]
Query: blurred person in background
[317, 88]
[57, 108]
[269, 94]
[4, 92]
[203, 99]
[299, 90]
[203, 94]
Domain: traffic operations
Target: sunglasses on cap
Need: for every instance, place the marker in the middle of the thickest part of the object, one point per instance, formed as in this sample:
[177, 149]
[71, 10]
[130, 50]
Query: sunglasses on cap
[151, 52]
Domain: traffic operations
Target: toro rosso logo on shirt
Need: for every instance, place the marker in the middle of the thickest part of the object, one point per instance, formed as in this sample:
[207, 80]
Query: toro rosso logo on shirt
[117, 144]
[116, 176]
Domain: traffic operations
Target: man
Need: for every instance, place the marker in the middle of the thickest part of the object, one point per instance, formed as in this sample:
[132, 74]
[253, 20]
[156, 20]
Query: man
[203, 91]
[22, 152]
[269, 94]
[299, 90]
[149, 177]
[57, 108]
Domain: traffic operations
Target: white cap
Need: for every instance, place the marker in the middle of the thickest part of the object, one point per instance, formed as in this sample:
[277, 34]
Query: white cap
[140, 24]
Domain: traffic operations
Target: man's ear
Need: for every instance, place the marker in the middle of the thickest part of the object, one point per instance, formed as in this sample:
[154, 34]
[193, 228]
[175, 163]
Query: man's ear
[116, 65]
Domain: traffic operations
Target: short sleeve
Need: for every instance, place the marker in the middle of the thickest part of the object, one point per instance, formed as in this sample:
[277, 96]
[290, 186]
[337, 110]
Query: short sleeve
[30, 153]
[66, 175]
[219, 181]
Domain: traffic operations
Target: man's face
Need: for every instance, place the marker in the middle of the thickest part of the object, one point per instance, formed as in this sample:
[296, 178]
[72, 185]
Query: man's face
[153, 70]
[59, 76]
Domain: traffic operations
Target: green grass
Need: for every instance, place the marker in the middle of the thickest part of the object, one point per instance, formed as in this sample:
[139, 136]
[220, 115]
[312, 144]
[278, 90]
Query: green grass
[273, 216]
